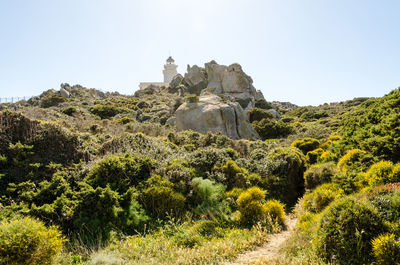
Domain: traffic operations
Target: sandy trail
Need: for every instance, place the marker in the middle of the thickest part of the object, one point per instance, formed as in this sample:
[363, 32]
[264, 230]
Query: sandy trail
[268, 251]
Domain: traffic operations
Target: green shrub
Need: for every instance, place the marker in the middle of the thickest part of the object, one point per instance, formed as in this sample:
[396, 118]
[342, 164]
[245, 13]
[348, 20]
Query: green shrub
[346, 230]
[256, 114]
[386, 249]
[125, 120]
[105, 111]
[54, 143]
[51, 100]
[235, 176]
[101, 211]
[306, 145]
[160, 199]
[318, 174]
[263, 104]
[355, 160]
[232, 196]
[312, 115]
[275, 210]
[209, 196]
[28, 241]
[69, 111]
[321, 197]
[143, 105]
[284, 177]
[250, 203]
[394, 177]
[313, 156]
[120, 171]
[373, 126]
[380, 173]
[205, 159]
[178, 172]
[207, 190]
[268, 128]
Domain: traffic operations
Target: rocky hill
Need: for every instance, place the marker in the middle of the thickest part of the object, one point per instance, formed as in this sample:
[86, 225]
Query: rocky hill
[196, 173]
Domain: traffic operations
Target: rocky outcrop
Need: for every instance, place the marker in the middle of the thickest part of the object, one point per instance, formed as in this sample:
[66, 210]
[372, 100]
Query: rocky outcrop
[284, 105]
[229, 81]
[213, 114]
[196, 79]
[64, 92]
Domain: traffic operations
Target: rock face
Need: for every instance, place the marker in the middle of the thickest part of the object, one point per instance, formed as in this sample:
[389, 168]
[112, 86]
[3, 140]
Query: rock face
[229, 81]
[196, 79]
[212, 114]
[64, 93]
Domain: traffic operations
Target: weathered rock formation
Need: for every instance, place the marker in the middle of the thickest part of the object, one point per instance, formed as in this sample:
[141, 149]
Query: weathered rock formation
[229, 81]
[213, 114]
[64, 92]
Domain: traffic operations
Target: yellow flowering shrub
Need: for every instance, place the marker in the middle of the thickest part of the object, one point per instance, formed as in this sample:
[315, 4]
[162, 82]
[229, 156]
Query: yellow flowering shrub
[386, 249]
[348, 158]
[253, 208]
[380, 173]
[28, 241]
[276, 210]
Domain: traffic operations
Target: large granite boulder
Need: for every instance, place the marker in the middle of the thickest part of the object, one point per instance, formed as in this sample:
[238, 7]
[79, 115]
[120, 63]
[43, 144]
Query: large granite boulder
[64, 92]
[196, 79]
[176, 81]
[213, 114]
[229, 81]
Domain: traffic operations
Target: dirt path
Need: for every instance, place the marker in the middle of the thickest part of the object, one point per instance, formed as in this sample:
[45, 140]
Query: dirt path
[268, 251]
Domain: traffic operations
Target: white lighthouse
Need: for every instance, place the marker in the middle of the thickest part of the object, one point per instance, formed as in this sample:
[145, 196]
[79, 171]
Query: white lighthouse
[169, 72]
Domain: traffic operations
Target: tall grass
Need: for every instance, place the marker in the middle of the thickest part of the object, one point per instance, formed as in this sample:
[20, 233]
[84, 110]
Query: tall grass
[184, 245]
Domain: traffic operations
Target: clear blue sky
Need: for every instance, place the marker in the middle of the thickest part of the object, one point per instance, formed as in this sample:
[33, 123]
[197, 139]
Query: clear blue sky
[302, 51]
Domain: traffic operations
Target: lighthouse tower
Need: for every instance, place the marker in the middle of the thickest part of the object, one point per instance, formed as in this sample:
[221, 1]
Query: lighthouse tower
[169, 70]
[169, 73]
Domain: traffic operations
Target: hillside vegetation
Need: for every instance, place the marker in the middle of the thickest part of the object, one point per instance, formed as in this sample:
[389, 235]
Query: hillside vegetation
[106, 179]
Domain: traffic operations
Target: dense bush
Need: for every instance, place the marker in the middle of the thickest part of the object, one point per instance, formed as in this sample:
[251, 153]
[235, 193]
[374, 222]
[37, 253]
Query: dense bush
[321, 197]
[160, 199]
[268, 128]
[381, 173]
[257, 114]
[285, 180]
[28, 241]
[209, 197]
[355, 160]
[254, 209]
[275, 210]
[314, 115]
[105, 111]
[51, 100]
[263, 104]
[318, 174]
[374, 126]
[235, 176]
[386, 249]
[250, 203]
[120, 171]
[306, 145]
[178, 172]
[313, 157]
[69, 111]
[205, 159]
[346, 230]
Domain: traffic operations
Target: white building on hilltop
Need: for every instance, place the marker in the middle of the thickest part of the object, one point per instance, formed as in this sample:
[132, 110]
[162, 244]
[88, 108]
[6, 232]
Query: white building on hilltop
[169, 72]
